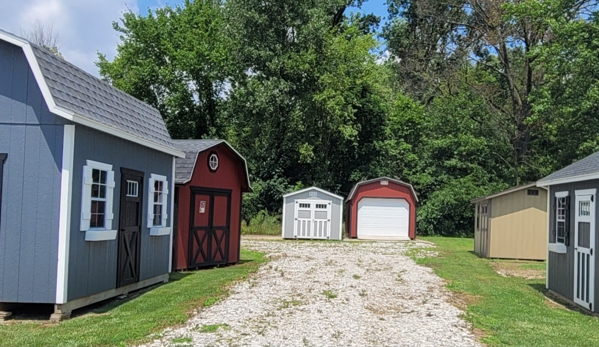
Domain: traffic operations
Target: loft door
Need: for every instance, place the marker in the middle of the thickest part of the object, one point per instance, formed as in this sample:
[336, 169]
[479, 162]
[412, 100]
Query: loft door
[209, 234]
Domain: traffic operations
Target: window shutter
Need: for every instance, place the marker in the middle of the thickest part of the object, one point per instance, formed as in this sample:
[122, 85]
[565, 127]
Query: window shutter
[164, 203]
[567, 226]
[86, 196]
[109, 199]
[151, 203]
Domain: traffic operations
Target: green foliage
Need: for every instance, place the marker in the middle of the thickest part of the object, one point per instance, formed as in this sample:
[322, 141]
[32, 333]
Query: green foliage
[264, 223]
[128, 322]
[507, 309]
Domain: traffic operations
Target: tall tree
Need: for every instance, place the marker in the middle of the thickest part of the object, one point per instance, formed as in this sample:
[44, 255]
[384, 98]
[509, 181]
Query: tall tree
[179, 60]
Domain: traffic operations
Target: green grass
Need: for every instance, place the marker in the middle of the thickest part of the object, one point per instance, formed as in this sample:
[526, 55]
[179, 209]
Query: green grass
[329, 294]
[125, 322]
[509, 310]
[181, 340]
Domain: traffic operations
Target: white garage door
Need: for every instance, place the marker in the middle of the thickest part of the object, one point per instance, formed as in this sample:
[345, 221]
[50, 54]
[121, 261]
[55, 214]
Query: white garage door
[383, 219]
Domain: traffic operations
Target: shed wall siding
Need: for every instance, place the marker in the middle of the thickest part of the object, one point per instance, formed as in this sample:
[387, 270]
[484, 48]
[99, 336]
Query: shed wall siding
[519, 225]
[560, 267]
[93, 265]
[32, 137]
[336, 207]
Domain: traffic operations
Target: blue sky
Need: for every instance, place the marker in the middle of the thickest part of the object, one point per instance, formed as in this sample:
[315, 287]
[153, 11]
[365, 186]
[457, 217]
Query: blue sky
[85, 27]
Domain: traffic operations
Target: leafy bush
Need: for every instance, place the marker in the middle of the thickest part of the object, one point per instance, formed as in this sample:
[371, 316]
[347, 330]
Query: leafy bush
[263, 223]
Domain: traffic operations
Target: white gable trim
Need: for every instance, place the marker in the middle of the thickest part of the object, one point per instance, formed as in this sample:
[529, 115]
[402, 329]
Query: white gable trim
[587, 177]
[72, 116]
[64, 221]
[355, 188]
[313, 188]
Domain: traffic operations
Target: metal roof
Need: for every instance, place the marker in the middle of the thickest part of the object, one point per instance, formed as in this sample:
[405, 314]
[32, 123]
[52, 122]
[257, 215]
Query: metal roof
[313, 188]
[582, 170]
[82, 98]
[353, 191]
[507, 191]
[192, 148]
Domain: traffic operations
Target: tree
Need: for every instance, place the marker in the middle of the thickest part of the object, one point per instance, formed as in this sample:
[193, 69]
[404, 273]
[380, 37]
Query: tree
[178, 60]
[45, 37]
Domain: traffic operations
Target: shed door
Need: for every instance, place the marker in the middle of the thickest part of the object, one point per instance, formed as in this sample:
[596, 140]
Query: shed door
[209, 235]
[312, 219]
[383, 219]
[129, 235]
[584, 242]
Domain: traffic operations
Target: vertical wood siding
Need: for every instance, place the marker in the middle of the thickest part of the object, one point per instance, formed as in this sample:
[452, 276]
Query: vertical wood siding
[519, 226]
[93, 265]
[32, 137]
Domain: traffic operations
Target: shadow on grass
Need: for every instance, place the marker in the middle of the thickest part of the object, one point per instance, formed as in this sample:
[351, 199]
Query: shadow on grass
[561, 302]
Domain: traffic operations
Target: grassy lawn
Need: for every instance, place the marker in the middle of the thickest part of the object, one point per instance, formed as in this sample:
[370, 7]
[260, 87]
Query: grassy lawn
[125, 322]
[508, 310]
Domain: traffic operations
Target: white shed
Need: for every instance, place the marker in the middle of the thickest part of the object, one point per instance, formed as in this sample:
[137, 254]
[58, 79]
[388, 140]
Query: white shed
[312, 213]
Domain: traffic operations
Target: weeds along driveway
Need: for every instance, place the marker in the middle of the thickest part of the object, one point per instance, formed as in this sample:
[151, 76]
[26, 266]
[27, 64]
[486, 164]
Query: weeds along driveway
[330, 294]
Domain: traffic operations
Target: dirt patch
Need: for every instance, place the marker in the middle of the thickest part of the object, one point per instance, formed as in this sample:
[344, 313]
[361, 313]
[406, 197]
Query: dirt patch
[517, 269]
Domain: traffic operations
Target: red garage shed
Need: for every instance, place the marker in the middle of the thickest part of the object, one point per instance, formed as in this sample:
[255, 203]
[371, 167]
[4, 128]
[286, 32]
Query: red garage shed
[209, 183]
[382, 209]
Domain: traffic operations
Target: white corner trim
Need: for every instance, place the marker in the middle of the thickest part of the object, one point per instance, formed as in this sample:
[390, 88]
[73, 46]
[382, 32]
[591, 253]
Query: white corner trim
[282, 220]
[585, 192]
[547, 231]
[172, 215]
[161, 231]
[561, 194]
[557, 248]
[100, 235]
[64, 222]
[340, 220]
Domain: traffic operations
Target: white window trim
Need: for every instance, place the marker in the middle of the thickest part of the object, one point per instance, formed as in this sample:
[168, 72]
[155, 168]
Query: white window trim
[216, 161]
[558, 247]
[108, 232]
[163, 229]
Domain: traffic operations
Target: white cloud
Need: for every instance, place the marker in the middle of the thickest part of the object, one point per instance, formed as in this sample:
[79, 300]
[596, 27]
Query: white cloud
[84, 27]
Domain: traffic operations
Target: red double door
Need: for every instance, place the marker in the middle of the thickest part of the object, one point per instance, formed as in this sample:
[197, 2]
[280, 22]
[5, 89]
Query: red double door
[209, 235]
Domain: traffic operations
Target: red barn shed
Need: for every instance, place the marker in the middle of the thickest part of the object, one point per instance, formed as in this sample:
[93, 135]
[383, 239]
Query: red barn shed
[209, 183]
[382, 209]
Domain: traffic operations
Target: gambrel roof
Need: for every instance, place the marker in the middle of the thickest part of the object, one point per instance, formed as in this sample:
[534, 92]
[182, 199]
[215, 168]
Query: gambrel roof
[192, 148]
[76, 95]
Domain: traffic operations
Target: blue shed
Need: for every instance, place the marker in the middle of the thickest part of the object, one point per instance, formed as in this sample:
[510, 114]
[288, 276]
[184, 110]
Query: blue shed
[86, 185]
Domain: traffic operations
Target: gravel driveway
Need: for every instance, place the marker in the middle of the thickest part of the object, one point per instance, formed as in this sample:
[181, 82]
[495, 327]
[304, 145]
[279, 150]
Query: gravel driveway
[330, 294]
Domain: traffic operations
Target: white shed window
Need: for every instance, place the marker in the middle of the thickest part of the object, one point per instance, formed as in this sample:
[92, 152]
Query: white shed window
[213, 161]
[560, 219]
[97, 201]
[158, 195]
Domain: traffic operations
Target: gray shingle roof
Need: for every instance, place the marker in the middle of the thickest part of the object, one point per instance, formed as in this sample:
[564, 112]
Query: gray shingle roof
[184, 166]
[95, 101]
[88, 96]
[583, 167]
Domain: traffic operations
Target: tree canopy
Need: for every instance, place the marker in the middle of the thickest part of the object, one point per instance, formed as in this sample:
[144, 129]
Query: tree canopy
[470, 97]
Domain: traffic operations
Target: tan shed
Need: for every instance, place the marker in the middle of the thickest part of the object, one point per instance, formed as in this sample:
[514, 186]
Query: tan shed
[512, 224]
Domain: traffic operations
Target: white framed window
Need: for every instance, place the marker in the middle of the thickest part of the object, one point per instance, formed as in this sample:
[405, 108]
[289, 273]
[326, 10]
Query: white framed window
[97, 199]
[560, 218]
[132, 188]
[213, 161]
[560, 228]
[157, 204]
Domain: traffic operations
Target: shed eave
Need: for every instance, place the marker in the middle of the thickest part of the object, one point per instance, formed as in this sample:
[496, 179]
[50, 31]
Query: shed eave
[355, 188]
[507, 191]
[572, 179]
[69, 114]
[313, 188]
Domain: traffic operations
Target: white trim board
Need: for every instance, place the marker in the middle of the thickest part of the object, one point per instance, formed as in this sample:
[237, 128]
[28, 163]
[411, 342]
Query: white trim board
[64, 224]
[313, 188]
[172, 216]
[580, 178]
[70, 115]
